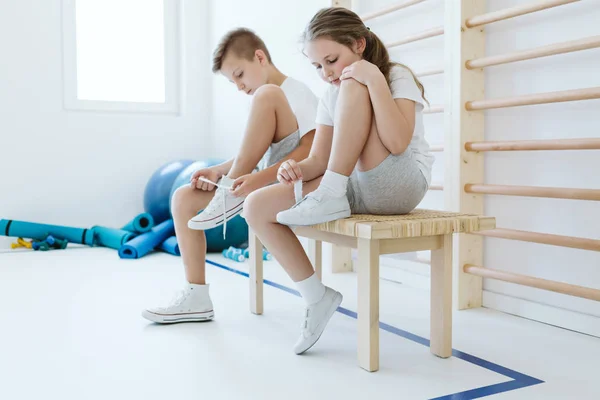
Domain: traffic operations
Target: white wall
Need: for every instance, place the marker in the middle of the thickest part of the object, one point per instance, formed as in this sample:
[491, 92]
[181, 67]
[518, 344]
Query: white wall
[575, 169]
[85, 168]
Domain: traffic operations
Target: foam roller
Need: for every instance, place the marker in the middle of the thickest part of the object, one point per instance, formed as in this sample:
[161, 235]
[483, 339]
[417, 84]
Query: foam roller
[141, 223]
[112, 238]
[170, 246]
[146, 242]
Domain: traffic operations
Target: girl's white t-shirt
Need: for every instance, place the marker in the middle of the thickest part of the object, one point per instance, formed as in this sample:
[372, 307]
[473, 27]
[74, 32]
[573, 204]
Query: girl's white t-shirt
[402, 86]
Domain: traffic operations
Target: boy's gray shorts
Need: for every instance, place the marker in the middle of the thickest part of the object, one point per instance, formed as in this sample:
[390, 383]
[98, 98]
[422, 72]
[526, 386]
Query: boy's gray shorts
[396, 186]
[277, 151]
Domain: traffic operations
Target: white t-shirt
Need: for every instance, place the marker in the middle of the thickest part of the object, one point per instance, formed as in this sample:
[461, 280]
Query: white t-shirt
[303, 103]
[402, 86]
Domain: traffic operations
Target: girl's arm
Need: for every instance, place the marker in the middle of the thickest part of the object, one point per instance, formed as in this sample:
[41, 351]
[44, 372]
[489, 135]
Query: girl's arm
[394, 118]
[316, 163]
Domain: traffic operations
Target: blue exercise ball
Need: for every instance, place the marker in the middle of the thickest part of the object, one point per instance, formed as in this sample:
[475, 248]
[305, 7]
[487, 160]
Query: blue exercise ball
[237, 228]
[158, 189]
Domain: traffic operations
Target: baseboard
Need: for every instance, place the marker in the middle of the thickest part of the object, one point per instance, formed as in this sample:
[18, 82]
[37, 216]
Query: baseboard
[567, 319]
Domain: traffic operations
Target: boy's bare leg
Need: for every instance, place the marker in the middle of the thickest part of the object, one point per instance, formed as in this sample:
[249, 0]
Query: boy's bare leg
[186, 203]
[271, 119]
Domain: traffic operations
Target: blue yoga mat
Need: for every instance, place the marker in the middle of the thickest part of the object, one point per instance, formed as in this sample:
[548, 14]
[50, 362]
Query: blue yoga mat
[140, 224]
[146, 242]
[112, 238]
[170, 246]
[36, 231]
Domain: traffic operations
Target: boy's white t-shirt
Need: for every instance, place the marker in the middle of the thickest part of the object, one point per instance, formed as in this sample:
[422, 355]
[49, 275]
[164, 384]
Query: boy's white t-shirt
[303, 103]
[402, 86]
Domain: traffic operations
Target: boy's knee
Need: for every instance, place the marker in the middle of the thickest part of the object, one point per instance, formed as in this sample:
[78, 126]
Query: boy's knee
[182, 199]
[268, 93]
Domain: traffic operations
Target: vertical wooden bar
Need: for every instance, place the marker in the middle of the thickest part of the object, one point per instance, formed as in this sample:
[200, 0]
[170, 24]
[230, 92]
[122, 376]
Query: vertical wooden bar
[460, 45]
[315, 254]
[441, 299]
[368, 304]
[255, 274]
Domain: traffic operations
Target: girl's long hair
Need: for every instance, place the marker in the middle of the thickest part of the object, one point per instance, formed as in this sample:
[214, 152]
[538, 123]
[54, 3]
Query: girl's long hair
[345, 27]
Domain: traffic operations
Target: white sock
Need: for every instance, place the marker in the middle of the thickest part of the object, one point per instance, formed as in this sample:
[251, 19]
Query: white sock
[334, 183]
[311, 289]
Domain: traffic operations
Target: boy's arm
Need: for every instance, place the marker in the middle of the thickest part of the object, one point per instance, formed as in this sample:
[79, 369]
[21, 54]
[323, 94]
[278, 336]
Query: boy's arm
[224, 168]
[269, 175]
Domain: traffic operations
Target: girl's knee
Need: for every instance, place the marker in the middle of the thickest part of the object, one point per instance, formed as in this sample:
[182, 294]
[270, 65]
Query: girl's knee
[351, 87]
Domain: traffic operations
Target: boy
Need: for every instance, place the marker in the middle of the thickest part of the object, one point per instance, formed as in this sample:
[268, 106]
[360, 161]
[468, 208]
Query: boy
[281, 126]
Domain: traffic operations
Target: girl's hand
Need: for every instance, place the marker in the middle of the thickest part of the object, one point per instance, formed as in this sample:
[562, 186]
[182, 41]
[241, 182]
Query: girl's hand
[246, 184]
[362, 71]
[208, 173]
[289, 172]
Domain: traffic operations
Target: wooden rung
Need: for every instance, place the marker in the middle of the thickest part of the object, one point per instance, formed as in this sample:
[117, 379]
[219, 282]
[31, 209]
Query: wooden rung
[418, 36]
[520, 145]
[544, 51]
[512, 12]
[535, 191]
[435, 148]
[390, 9]
[559, 287]
[530, 99]
[434, 110]
[429, 72]
[436, 187]
[543, 238]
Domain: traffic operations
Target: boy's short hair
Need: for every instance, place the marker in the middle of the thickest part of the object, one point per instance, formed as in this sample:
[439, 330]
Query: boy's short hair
[242, 42]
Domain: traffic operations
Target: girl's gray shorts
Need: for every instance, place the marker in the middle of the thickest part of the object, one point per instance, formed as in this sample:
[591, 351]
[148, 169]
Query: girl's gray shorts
[396, 186]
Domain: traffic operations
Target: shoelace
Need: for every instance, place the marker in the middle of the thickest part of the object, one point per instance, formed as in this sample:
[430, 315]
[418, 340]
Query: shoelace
[222, 195]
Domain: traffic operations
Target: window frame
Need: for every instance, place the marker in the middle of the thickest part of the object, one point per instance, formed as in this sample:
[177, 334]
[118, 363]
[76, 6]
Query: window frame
[172, 67]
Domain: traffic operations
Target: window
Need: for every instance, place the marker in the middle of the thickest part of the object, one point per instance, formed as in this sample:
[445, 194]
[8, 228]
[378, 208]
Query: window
[121, 55]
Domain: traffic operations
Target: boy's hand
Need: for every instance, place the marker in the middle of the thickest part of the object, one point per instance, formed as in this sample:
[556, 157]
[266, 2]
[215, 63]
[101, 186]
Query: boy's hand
[246, 184]
[207, 173]
[289, 172]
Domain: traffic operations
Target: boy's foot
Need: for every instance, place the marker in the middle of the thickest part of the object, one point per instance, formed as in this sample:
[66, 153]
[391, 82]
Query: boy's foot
[315, 208]
[316, 318]
[192, 304]
[223, 206]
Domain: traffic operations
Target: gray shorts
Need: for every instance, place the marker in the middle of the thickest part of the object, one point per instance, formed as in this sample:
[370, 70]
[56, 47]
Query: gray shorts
[396, 186]
[277, 151]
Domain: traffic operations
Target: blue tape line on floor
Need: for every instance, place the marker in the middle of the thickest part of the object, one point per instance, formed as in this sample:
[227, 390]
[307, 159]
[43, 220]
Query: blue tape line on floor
[519, 380]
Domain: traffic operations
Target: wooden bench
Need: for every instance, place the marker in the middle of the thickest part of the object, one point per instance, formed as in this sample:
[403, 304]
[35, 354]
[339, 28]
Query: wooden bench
[374, 235]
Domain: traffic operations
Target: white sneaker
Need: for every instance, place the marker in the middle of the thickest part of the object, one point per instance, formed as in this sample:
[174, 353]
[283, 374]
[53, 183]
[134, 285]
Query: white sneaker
[192, 304]
[221, 208]
[316, 317]
[315, 208]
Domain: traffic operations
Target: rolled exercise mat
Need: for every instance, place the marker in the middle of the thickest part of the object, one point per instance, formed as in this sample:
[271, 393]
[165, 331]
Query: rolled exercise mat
[112, 238]
[146, 242]
[140, 224]
[170, 246]
[36, 231]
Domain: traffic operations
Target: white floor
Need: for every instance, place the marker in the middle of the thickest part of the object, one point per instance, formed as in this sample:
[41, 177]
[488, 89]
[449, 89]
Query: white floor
[71, 329]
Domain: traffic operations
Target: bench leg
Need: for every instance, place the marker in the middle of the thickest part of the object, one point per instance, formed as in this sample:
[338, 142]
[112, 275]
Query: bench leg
[441, 299]
[315, 254]
[341, 259]
[255, 273]
[368, 304]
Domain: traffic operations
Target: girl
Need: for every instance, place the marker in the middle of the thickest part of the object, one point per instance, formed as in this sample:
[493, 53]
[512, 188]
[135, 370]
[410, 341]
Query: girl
[369, 154]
